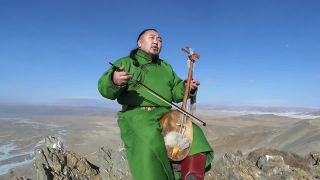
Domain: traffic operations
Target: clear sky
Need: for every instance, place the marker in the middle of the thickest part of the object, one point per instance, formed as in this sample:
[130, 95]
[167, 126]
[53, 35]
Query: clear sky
[253, 52]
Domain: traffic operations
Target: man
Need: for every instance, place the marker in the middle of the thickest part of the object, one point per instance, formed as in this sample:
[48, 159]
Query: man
[139, 119]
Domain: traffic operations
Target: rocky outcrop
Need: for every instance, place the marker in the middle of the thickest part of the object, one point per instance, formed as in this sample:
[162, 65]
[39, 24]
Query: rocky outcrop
[264, 164]
[54, 162]
[113, 164]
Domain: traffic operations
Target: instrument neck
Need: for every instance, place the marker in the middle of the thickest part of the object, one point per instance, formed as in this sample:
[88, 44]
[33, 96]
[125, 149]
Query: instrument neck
[187, 86]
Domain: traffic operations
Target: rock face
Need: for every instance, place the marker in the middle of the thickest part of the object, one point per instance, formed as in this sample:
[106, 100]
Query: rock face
[54, 162]
[263, 164]
[113, 164]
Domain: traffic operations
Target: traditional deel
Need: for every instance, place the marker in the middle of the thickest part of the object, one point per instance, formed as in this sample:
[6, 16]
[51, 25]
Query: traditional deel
[140, 128]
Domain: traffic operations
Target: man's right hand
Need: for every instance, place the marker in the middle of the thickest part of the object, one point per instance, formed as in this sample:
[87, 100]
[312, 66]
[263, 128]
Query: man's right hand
[121, 77]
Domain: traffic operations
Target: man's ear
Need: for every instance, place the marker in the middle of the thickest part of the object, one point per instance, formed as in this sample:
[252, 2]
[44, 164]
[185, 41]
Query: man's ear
[139, 43]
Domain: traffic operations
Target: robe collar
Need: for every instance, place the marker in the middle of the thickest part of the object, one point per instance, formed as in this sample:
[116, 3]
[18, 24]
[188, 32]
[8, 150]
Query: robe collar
[145, 58]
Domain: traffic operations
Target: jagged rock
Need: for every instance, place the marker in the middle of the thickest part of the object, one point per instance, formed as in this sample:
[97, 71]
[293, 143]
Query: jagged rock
[263, 164]
[314, 164]
[113, 164]
[53, 143]
[268, 162]
[291, 159]
[53, 162]
[275, 167]
[231, 166]
[314, 158]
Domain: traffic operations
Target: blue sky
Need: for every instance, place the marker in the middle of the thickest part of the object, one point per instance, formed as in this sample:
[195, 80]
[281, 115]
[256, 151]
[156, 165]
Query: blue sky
[253, 52]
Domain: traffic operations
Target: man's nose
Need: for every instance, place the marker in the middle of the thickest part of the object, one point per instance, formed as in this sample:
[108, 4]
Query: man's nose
[155, 41]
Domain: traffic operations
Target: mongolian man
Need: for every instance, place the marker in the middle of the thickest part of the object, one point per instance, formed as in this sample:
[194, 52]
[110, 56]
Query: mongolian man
[138, 120]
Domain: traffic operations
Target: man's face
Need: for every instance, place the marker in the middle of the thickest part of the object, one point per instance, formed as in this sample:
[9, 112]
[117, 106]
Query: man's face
[150, 42]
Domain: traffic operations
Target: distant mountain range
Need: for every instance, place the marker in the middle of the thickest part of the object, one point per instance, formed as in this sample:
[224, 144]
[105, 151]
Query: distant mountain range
[85, 105]
[258, 108]
[53, 109]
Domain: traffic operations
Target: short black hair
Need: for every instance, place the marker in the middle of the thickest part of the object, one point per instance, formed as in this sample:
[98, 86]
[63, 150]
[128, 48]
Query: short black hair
[144, 31]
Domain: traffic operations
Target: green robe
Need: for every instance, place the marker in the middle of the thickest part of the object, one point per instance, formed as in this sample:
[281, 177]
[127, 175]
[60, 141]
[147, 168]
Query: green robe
[140, 129]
